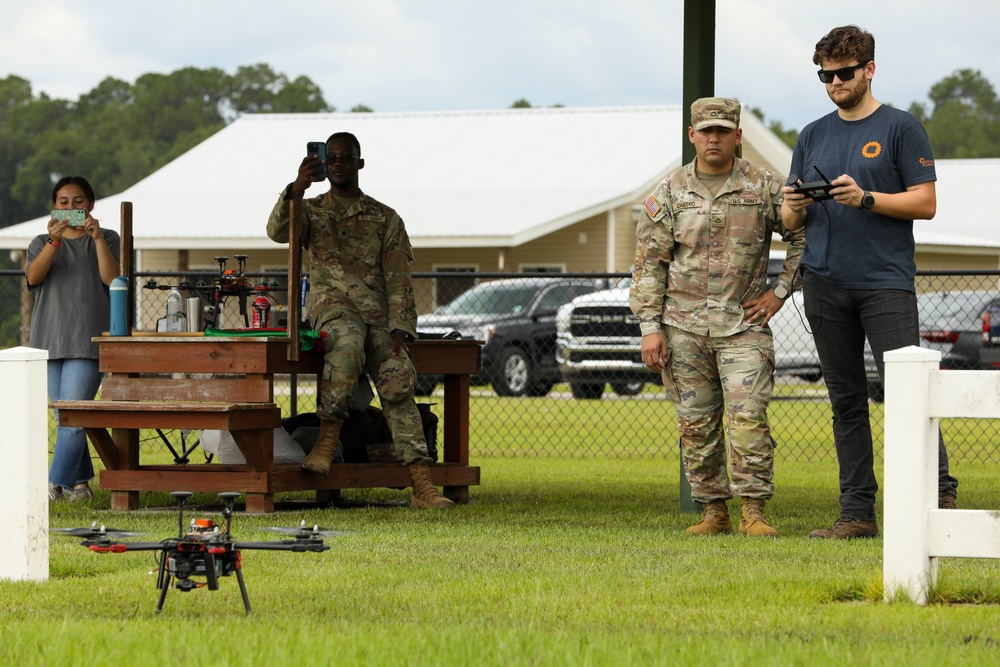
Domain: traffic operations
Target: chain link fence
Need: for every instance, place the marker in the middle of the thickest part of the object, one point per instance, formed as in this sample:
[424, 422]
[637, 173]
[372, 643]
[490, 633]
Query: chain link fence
[561, 371]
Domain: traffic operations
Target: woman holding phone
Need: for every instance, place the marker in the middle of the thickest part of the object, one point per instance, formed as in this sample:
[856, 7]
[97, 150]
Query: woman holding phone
[69, 269]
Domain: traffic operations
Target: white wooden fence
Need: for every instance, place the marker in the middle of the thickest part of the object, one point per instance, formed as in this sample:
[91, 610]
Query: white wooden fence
[915, 532]
[24, 446]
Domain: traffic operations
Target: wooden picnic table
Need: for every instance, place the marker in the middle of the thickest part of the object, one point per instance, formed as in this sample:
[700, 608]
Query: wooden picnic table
[166, 381]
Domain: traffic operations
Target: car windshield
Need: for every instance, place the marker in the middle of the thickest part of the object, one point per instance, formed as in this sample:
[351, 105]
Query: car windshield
[490, 299]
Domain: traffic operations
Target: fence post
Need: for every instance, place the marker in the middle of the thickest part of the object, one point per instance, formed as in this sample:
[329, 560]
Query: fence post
[24, 521]
[911, 473]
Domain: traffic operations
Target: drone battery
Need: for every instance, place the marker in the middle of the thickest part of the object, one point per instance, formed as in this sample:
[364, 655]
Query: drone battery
[260, 317]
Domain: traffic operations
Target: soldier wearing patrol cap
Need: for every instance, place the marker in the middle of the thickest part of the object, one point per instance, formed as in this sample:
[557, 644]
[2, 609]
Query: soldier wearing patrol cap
[699, 290]
[362, 297]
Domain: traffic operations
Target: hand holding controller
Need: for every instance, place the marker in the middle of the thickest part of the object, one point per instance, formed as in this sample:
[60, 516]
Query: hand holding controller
[817, 190]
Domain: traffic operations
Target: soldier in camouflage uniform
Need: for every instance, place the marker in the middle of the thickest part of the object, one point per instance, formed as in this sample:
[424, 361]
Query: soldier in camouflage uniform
[699, 290]
[362, 297]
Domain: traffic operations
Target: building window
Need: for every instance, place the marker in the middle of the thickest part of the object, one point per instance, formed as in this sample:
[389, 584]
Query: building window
[542, 268]
[446, 289]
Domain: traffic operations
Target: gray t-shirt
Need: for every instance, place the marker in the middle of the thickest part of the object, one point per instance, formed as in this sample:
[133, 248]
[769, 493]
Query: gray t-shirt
[71, 304]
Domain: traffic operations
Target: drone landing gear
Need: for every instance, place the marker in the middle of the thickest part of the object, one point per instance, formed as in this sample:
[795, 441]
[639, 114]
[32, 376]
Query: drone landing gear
[184, 583]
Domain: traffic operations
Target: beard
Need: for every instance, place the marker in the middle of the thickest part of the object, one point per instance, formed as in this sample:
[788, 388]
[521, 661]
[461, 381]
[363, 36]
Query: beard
[853, 96]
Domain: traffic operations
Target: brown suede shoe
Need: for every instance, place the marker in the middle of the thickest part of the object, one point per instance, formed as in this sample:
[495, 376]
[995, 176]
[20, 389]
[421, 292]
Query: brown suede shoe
[946, 502]
[845, 529]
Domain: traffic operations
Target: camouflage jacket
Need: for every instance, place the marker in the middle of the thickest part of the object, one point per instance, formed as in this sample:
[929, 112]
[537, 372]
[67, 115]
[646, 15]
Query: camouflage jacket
[359, 260]
[699, 259]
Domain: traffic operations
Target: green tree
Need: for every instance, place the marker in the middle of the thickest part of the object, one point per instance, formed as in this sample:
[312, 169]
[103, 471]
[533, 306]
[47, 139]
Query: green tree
[788, 136]
[964, 118]
[119, 133]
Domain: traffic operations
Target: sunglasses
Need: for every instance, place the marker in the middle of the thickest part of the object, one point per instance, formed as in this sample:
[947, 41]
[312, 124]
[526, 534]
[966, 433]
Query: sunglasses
[844, 73]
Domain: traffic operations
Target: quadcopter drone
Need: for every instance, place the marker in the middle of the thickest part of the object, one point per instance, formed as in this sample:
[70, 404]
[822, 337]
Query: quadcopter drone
[205, 550]
[229, 282]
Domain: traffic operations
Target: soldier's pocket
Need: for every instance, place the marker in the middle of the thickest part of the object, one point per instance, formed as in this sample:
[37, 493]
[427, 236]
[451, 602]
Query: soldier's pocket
[669, 386]
[396, 379]
[765, 374]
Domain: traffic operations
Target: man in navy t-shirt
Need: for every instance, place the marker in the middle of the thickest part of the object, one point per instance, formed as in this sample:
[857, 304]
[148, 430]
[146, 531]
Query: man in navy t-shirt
[858, 265]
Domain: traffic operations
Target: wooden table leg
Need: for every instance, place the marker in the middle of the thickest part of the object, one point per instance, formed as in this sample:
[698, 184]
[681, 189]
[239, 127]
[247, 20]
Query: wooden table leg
[456, 430]
[260, 503]
[126, 442]
[124, 501]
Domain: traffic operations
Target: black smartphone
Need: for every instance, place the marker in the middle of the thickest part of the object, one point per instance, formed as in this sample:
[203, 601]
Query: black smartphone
[318, 148]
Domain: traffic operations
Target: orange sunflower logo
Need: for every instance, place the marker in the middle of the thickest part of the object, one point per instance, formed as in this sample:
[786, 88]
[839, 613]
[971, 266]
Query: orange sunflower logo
[872, 149]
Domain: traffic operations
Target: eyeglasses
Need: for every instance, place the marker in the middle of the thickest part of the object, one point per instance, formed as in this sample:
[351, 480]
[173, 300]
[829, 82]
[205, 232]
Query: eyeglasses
[844, 73]
[333, 158]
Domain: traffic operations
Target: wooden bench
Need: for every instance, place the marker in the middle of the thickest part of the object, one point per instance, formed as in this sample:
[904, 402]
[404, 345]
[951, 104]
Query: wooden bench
[143, 391]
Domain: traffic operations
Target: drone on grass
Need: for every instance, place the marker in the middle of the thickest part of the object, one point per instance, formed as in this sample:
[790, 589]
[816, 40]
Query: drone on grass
[204, 552]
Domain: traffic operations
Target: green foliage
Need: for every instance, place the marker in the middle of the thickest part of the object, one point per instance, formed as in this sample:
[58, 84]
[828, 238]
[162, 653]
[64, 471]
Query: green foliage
[964, 117]
[119, 133]
[788, 136]
[10, 331]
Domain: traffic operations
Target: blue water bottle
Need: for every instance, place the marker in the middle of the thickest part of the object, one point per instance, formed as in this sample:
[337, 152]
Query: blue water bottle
[119, 307]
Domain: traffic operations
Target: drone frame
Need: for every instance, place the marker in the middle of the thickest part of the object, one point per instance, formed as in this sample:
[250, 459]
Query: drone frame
[203, 551]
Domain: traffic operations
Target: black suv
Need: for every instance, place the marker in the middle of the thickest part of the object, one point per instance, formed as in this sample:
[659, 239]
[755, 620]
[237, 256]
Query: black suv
[516, 318]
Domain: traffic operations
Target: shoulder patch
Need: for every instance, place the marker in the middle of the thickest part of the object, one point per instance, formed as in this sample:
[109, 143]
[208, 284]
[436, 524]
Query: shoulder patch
[652, 206]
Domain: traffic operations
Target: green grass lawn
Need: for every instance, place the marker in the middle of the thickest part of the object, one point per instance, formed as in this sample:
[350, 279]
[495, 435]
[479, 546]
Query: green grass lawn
[555, 561]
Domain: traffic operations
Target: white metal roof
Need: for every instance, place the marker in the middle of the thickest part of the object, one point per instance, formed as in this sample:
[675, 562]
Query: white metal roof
[463, 178]
[966, 217]
[458, 179]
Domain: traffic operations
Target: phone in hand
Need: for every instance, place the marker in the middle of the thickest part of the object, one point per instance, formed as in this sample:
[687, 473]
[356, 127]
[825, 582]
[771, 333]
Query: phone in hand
[318, 148]
[77, 217]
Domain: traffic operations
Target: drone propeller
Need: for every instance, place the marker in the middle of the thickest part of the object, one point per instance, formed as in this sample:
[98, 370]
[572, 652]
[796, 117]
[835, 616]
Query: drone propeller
[94, 531]
[304, 531]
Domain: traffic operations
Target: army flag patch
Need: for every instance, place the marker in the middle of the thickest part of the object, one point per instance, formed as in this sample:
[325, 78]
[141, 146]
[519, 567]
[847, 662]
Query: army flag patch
[652, 206]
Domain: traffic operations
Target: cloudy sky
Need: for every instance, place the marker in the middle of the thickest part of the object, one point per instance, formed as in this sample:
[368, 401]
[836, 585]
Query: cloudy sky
[429, 55]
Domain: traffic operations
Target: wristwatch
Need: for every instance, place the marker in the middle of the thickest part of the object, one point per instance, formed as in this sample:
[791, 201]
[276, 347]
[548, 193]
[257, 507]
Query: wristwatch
[782, 291]
[867, 200]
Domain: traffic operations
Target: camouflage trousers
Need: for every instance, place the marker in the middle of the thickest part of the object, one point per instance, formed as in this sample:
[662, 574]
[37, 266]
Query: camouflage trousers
[351, 348]
[709, 378]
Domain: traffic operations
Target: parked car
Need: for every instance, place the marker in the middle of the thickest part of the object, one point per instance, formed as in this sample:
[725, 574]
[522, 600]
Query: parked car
[599, 341]
[516, 320]
[958, 324]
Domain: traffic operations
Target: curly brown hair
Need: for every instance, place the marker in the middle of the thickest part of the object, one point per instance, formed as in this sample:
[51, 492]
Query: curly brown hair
[844, 44]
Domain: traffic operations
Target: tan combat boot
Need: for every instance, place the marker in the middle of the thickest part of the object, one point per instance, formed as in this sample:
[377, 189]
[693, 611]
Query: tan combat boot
[714, 520]
[425, 494]
[322, 453]
[752, 521]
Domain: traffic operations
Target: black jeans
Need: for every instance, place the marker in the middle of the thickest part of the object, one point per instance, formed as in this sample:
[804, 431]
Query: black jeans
[841, 320]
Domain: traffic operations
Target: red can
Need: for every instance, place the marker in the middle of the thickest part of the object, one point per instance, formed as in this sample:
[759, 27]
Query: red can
[260, 313]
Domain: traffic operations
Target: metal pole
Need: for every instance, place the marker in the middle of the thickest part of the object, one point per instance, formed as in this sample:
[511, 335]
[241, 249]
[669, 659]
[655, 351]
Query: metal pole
[699, 81]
